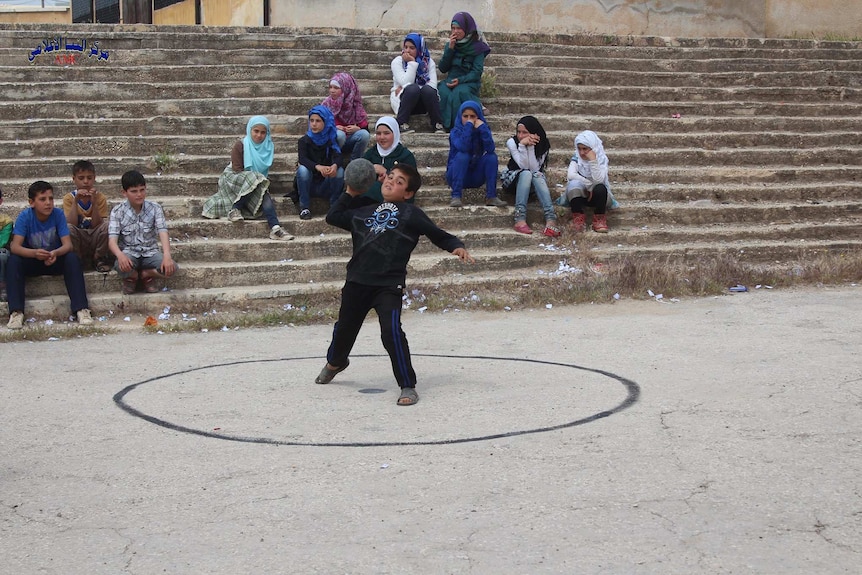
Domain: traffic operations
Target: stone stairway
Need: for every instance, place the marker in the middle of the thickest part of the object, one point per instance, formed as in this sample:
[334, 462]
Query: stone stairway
[763, 162]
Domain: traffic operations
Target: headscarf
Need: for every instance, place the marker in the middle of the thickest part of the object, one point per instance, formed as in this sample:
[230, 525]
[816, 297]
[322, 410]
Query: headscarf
[347, 108]
[473, 41]
[392, 124]
[257, 157]
[327, 136]
[458, 125]
[532, 125]
[591, 140]
[423, 57]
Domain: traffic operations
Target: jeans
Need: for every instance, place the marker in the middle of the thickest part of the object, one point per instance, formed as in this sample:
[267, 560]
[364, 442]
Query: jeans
[69, 266]
[141, 263]
[468, 171]
[307, 186]
[416, 99]
[355, 144]
[599, 201]
[267, 207]
[525, 182]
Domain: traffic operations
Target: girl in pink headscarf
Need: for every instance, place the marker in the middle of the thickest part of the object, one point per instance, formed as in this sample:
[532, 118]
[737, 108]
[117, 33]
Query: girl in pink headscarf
[351, 121]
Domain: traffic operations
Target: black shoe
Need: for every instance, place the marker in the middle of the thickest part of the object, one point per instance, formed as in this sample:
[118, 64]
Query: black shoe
[305, 214]
[326, 374]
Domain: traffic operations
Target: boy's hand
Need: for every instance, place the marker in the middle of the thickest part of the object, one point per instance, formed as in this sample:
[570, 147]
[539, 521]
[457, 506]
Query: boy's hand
[463, 255]
[381, 172]
[84, 194]
[124, 263]
[42, 255]
[51, 259]
[168, 266]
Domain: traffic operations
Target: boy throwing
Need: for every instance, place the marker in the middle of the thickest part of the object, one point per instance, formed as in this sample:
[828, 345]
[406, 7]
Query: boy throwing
[384, 236]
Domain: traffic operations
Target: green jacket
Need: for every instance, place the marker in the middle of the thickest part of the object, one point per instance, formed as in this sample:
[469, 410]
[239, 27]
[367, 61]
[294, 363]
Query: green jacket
[400, 155]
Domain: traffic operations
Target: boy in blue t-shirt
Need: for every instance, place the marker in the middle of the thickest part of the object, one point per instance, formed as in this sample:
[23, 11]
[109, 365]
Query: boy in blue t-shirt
[41, 246]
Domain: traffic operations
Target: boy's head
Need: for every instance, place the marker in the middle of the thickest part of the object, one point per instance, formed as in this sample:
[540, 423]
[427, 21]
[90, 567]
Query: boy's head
[134, 188]
[359, 175]
[83, 174]
[41, 198]
[402, 182]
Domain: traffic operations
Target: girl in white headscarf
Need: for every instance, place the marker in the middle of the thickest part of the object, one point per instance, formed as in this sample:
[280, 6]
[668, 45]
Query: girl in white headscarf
[588, 183]
[387, 151]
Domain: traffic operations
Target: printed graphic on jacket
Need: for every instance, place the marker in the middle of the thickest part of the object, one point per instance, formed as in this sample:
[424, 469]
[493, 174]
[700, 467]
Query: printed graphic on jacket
[385, 217]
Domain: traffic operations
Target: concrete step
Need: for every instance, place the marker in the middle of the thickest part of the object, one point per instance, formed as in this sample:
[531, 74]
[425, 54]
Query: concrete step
[764, 123]
[428, 147]
[540, 85]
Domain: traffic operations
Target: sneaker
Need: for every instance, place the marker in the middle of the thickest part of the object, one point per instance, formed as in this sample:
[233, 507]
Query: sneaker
[495, 202]
[406, 129]
[16, 320]
[456, 203]
[84, 317]
[277, 233]
[439, 129]
[579, 222]
[305, 214]
[234, 215]
[326, 374]
[600, 223]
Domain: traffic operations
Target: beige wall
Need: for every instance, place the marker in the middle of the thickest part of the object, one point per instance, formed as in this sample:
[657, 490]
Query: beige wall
[213, 13]
[176, 14]
[35, 15]
[683, 18]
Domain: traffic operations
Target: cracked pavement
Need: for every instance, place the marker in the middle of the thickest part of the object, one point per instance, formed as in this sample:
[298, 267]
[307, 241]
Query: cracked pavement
[742, 454]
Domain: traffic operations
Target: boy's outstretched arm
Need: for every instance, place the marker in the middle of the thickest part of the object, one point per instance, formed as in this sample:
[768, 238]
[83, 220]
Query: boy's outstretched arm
[463, 255]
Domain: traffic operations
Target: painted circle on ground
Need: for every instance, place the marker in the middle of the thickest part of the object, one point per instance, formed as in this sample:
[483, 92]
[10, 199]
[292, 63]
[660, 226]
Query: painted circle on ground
[632, 390]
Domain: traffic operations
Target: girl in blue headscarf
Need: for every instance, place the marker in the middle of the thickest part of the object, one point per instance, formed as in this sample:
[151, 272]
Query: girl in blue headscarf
[414, 84]
[243, 187]
[472, 160]
[319, 172]
[464, 61]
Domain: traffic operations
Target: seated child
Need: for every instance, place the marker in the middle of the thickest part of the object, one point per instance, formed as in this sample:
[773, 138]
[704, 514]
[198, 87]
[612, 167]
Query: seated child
[86, 211]
[41, 246]
[135, 230]
[387, 151]
[588, 183]
[414, 84]
[243, 187]
[6, 224]
[384, 236]
[472, 160]
[351, 120]
[319, 172]
[525, 172]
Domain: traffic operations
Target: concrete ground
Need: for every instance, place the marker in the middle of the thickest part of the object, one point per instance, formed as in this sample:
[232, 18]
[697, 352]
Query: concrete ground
[717, 435]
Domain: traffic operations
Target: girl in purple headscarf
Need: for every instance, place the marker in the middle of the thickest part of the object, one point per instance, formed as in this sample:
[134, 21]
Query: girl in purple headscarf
[351, 121]
[414, 84]
[464, 61]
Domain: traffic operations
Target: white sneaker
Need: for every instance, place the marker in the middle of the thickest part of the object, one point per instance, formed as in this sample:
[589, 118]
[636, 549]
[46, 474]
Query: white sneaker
[406, 129]
[439, 129]
[234, 215]
[16, 320]
[84, 317]
[278, 233]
